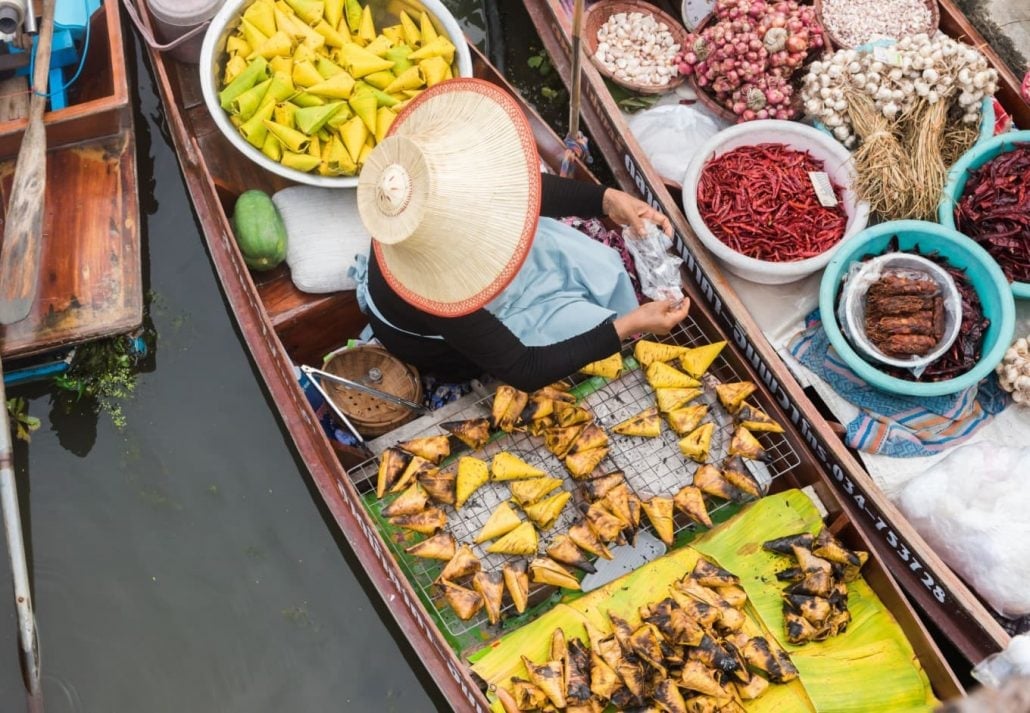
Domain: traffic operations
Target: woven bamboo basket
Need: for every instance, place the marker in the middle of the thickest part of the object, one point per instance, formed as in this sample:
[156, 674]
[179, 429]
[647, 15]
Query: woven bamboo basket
[370, 415]
[598, 14]
[835, 43]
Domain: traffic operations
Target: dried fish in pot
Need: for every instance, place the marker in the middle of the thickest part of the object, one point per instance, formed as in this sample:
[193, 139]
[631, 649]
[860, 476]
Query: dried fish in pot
[463, 564]
[691, 502]
[563, 549]
[441, 546]
[411, 501]
[490, 586]
[646, 424]
[520, 541]
[662, 376]
[755, 419]
[585, 538]
[433, 448]
[732, 396]
[708, 574]
[686, 419]
[785, 545]
[744, 444]
[474, 432]
[516, 580]
[708, 479]
[530, 491]
[465, 602]
[736, 474]
[597, 488]
[548, 678]
[508, 466]
[501, 521]
[426, 522]
[829, 548]
[472, 473]
[697, 443]
[392, 463]
[441, 485]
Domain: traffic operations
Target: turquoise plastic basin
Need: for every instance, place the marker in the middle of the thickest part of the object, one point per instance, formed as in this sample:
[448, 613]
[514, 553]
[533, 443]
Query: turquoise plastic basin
[971, 160]
[983, 272]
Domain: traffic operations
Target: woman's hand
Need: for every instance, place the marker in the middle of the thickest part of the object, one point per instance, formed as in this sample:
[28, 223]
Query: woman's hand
[653, 317]
[627, 210]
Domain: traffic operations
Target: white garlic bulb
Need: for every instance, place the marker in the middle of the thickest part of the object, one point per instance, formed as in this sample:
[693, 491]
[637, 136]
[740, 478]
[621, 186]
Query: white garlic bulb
[1014, 371]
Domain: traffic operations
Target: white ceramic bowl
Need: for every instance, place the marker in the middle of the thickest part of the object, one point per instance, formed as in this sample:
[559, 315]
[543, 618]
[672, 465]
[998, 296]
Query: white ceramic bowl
[212, 60]
[837, 163]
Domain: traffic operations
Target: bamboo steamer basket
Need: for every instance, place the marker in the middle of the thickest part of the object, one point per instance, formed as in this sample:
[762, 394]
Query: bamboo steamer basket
[375, 367]
[836, 43]
[598, 14]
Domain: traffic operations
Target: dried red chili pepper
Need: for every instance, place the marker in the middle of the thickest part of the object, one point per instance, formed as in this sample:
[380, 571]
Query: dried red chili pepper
[995, 211]
[759, 201]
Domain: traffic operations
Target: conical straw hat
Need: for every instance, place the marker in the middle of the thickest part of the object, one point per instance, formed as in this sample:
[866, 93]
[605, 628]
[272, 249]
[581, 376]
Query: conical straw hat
[452, 196]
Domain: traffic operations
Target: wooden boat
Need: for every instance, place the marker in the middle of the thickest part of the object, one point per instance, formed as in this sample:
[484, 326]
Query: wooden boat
[90, 271]
[283, 327]
[940, 594]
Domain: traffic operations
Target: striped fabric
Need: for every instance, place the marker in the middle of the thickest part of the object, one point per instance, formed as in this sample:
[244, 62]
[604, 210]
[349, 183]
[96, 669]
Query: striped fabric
[892, 425]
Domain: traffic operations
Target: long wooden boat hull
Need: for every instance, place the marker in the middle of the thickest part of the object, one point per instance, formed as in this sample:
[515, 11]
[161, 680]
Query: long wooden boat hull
[90, 282]
[282, 327]
[939, 593]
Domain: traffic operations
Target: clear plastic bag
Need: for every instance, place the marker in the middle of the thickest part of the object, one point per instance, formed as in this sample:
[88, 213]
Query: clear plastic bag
[997, 668]
[659, 271]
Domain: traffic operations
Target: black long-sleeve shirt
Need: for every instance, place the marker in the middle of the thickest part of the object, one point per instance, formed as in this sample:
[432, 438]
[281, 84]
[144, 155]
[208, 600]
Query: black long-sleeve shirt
[479, 342]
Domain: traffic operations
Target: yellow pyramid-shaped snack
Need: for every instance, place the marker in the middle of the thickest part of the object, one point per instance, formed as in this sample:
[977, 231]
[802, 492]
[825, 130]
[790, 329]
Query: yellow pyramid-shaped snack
[472, 473]
[537, 407]
[597, 488]
[529, 491]
[409, 502]
[237, 44]
[392, 463]
[520, 541]
[441, 485]
[399, 56]
[290, 138]
[584, 537]
[592, 436]
[564, 550]
[737, 475]
[474, 433]
[254, 129]
[271, 146]
[464, 563]
[315, 147]
[337, 159]
[281, 65]
[261, 15]
[338, 86]
[395, 33]
[684, 420]
[300, 162]
[516, 580]
[305, 74]
[255, 38]
[353, 132]
[546, 512]
[334, 13]
[712, 575]
[744, 444]
[604, 523]
[501, 521]
[360, 62]
[646, 424]
[549, 678]
[559, 440]
[503, 397]
[352, 14]
[691, 501]
[568, 414]
[755, 419]
[659, 511]
[432, 448]
[647, 352]
[674, 398]
[508, 466]
[364, 106]
[545, 570]
[366, 29]
[310, 120]
[379, 81]
[426, 522]
[696, 361]
[384, 120]
[255, 72]
[411, 34]
[427, 32]
[507, 407]
[332, 37]
[582, 464]
[609, 368]
[696, 443]
[709, 480]
[234, 67]
[283, 113]
[732, 396]
[310, 11]
[434, 70]
[662, 376]
[465, 602]
[490, 586]
[410, 78]
[379, 45]
[440, 47]
[616, 501]
[251, 100]
[441, 546]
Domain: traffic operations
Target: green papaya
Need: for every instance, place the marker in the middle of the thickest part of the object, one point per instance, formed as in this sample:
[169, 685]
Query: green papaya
[259, 230]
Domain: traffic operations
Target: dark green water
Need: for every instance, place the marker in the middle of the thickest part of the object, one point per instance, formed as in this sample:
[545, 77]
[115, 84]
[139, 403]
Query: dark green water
[182, 564]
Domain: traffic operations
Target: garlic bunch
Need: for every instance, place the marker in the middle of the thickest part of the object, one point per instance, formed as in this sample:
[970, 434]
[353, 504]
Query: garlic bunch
[896, 77]
[638, 48]
[1014, 371]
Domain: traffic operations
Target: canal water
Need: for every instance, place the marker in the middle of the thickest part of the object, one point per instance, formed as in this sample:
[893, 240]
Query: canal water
[182, 563]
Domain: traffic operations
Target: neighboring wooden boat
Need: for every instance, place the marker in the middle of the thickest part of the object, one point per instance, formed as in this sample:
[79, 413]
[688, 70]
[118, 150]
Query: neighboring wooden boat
[945, 599]
[90, 283]
[283, 327]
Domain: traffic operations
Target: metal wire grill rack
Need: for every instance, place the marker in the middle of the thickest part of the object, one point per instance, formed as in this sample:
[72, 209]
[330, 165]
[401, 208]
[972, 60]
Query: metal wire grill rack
[652, 466]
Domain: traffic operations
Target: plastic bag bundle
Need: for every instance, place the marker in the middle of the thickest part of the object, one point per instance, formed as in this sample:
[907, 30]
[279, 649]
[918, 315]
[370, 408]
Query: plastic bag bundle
[659, 271]
[971, 507]
[998, 668]
[670, 134]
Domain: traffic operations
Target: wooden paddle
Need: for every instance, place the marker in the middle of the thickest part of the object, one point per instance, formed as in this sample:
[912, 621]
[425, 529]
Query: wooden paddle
[23, 227]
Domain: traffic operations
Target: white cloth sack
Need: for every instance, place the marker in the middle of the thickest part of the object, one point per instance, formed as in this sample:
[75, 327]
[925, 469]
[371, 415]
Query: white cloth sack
[324, 233]
[671, 133]
[972, 508]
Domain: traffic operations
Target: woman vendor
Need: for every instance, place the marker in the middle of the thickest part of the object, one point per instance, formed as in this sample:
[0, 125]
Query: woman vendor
[469, 272]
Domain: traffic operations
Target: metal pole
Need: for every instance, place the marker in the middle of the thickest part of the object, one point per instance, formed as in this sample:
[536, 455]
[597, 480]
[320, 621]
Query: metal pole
[577, 31]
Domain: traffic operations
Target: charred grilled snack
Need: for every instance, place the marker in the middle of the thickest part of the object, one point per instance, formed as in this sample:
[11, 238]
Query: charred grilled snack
[501, 521]
[433, 448]
[530, 491]
[647, 352]
[581, 465]
[585, 538]
[752, 689]
[604, 682]
[577, 673]
[736, 474]
[474, 432]
[392, 463]
[646, 643]
[735, 596]
[527, 695]
[564, 550]
[465, 602]
[668, 697]
[815, 610]
[592, 436]
[539, 427]
[829, 548]
[786, 545]
[696, 444]
[755, 419]
[744, 444]
[520, 541]
[696, 361]
[691, 502]
[686, 419]
[609, 368]
[674, 398]
[711, 575]
[438, 547]
[472, 473]
[507, 408]
[597, 488]
[768, 661]
[662, 376]
[732, 396]
[616, 501]
[418, 467]
[559, 391]
[426, 522]
[503, 398]
[506, 699]
[548, 677]
[560, 654]
[676, 624]
[490, 586]
[516, 580]
[700, 678]
[537, 408]
[559, 440]
[604, 523]
[545, 570]
[440, 485]
[571, 415]
[508, 466]
[646, 424]
[791, 574]
[411, 501]
[546, 512]
[799, 629]
[659, 512]
[463, 564]
[709, 480]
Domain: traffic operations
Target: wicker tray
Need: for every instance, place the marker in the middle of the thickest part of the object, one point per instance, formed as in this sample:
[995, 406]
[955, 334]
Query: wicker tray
[835, 43]
[370, 415]
[598, 14]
